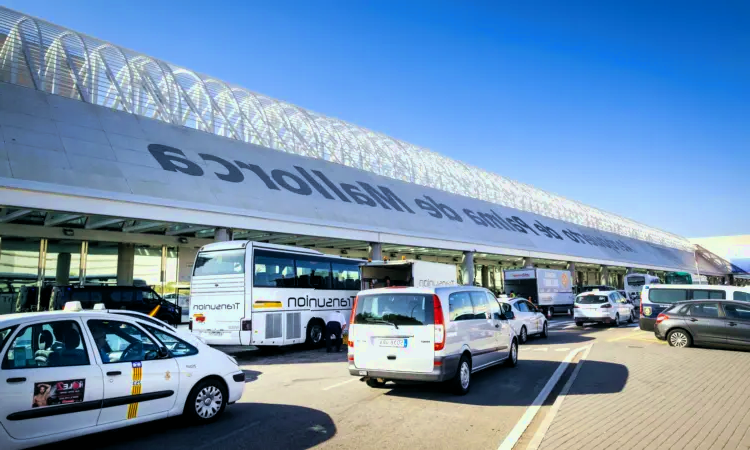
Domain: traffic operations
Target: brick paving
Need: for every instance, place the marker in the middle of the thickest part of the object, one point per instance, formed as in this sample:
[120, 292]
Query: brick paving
[655, 397]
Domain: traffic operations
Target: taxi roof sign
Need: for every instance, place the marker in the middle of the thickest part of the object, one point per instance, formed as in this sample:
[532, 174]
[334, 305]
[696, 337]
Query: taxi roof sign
[73, 306]
[99, 307]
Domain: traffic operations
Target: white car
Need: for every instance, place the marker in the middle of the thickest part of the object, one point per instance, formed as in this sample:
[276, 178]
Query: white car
[428, 334]
[603, 307]
[74, 372]
[529, 320]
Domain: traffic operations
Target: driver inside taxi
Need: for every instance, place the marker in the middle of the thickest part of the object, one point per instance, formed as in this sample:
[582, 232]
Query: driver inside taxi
[100, 338]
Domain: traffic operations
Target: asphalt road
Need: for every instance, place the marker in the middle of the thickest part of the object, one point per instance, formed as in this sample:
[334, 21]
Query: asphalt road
[296, 399]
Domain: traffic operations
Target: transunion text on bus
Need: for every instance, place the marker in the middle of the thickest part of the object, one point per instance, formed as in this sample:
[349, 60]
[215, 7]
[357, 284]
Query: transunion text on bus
[218, 307]
[312, 302]
[305, 182]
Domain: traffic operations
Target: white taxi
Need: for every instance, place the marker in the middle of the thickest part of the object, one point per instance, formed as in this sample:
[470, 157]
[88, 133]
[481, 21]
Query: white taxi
[73, 372]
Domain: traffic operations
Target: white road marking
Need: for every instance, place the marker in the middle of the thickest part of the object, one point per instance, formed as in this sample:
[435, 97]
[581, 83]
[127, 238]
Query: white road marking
[564, 349]
[542, 349]
[544, 427]
[340, 384]
[515, 434]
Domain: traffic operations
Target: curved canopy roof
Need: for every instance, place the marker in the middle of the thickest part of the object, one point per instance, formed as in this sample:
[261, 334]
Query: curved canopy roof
[53, 59]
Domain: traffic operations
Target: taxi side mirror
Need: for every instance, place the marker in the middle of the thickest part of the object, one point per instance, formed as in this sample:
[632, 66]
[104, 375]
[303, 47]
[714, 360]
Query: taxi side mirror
[510, 315]
[163, 353]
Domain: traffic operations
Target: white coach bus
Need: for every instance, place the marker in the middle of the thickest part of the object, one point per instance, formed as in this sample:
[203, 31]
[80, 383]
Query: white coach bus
[634, 283]
[251, 293]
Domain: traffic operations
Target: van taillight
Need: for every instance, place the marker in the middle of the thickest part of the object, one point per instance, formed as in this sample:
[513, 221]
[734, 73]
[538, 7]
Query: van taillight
[247, 325]
[439, 320]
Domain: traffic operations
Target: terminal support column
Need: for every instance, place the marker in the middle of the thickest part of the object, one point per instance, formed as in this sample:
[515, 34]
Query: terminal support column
[125, 264]
[468, 268]
[62, 274]
[605, 275]
[573, 273]
[376, 251]
[528, 263]
[485, 276]
[223, 234]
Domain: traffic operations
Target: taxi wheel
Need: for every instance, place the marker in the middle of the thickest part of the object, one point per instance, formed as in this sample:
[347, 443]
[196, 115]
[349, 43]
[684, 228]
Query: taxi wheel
[579, 324]
[461, 382]
[206, 401]
[524, 335]
[631, 319]
[544, 334]
[616, 323]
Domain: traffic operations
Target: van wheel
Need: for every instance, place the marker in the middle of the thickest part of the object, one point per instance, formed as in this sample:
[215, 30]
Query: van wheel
[375, 383]
[579, 324]
[206, 401]
[512, 360]
[523, 335]
[315, 332]
[461, 382]
[631, 319]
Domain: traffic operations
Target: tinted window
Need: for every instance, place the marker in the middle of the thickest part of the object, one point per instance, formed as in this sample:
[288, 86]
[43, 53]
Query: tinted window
[743, 296]
[315, 274]
[346, 276]
[460, 306]
[531, 307]
[592, 299]
[506, 307]
[220, 262]
[481, 308]
[704, 310]
[177, 347]
[521, 306]
[121, 342]
[737, 311]
[636, 281]
[494, 304]
[399, 309]
[667, 295]
[708, 295]
[51, 344]
[273, 270]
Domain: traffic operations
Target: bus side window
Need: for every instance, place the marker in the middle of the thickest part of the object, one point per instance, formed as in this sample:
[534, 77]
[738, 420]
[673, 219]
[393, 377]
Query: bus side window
[313, 273]
[273, 270]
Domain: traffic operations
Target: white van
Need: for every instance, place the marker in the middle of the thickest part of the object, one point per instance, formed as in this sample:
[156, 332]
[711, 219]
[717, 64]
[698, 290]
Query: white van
[428, 334]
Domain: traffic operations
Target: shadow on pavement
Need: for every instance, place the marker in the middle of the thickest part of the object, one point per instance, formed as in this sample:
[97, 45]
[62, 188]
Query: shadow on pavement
[290, 355]
[518, 386]
[242, 426]
[251, 375]
[556, 338]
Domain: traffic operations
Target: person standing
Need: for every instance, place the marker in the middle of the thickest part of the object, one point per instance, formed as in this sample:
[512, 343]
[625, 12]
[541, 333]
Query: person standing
[334, 324]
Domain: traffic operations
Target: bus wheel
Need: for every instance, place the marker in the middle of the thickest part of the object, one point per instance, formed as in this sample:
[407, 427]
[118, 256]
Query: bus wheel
[315, 330]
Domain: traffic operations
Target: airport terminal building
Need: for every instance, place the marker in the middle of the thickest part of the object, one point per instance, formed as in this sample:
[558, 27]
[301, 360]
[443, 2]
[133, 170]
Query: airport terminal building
[116, 166]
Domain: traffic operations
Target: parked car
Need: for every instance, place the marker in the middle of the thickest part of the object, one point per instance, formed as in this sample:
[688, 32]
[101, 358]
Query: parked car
[529, 319]
[73, 372]
[428, 334]
[709, 323]
[602, 307]
[132, 298]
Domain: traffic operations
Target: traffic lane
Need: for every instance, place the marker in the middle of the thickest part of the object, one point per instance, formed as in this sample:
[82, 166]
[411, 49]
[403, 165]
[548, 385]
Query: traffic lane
[298, 399]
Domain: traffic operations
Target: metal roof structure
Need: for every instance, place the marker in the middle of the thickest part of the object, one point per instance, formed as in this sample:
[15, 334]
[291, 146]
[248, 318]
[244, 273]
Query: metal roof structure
[56, 60]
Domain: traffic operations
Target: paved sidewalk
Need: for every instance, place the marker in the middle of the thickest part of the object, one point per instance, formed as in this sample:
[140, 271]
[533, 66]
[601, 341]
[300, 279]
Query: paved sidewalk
[633, 395]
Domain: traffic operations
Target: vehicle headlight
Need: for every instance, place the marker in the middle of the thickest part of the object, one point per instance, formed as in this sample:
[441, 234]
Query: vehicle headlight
[234, 360]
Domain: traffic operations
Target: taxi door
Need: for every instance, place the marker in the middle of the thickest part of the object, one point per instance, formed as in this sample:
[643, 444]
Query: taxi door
[139, 380]
[49, 381]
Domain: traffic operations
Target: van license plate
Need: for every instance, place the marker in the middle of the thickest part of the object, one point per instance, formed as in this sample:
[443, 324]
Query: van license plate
[399, 343]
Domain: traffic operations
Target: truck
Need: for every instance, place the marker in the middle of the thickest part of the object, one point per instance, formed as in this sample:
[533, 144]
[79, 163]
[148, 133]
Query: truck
[549, 289]
[407, 272]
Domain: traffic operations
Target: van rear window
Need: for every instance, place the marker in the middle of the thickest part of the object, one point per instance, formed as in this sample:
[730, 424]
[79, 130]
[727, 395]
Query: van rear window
[395, 309]
[592, 299]
[667, 296]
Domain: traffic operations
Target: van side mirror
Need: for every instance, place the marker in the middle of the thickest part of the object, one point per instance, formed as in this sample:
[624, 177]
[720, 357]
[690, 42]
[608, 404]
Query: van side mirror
[499, 316]
[509, 315]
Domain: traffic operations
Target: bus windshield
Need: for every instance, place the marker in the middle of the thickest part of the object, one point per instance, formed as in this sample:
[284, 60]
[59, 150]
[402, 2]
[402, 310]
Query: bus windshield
[678, 278]
[636, 281]
[220, 262]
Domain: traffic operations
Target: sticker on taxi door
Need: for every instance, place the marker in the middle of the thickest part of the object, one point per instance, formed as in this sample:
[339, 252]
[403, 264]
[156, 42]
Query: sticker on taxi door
[50, 393]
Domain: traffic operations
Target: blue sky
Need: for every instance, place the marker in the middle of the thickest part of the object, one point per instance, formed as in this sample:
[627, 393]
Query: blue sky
[641, 108]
